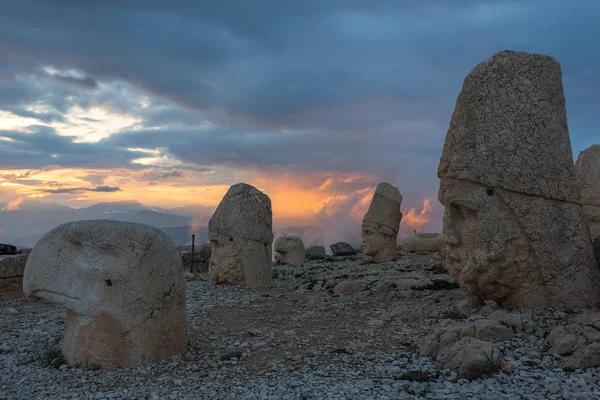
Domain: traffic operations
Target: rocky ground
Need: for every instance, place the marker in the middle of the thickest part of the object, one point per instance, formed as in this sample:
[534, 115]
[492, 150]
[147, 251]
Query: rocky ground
[330, 329]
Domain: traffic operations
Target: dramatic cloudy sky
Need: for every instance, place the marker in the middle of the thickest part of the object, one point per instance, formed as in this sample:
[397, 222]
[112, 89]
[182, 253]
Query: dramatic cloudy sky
[312, 101]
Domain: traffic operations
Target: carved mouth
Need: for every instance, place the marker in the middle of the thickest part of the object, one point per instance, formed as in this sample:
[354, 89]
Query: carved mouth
[34, 295]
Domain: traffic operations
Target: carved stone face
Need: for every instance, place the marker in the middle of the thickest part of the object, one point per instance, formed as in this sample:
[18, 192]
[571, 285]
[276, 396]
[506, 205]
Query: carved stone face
[486, 251]
[291, 249]
[378, 245]
[225, 262]
[373, 241]
[123, 288]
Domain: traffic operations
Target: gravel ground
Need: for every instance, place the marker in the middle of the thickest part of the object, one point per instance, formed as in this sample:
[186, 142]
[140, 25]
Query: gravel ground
[306, 338]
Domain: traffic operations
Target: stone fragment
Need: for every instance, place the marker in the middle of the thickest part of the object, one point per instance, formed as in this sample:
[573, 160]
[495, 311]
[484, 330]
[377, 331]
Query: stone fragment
[7, 249]
[472, 358]
[241, 234]
[515, 321]
[449, 332]
[349, 287]
[315, 252]
[587, 169]
[342, 249]
[513, 220]
[423, 242]
[291, 249]
[381, 223]
[122, 285]
[578, 341]
[11, 273]
[469, 305]
[467, 347]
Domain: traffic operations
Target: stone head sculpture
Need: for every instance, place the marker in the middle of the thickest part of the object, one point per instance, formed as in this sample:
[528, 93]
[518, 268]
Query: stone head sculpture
[513, 221]
[122, 285]
[291, 249]
[241, 234]
[381, 223]
[587, 169]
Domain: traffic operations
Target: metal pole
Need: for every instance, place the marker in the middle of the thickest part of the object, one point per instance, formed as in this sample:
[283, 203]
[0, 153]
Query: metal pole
[192, 260]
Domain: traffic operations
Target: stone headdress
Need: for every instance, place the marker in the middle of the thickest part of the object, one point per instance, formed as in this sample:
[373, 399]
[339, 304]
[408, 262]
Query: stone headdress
[384, 211]
[509, 128]
[244, 213]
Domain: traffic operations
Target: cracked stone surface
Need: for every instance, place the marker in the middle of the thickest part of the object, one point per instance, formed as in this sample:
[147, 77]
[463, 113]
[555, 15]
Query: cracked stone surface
[381, 223]
[241, 234]
[587, 169]
[291, 249]
[11, 272]
[513, 218]
[122, 285]
[424, 242]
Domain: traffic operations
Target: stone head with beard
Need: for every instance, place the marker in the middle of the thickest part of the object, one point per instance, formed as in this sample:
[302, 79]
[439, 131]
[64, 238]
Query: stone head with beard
[513, 217]
[241, 234]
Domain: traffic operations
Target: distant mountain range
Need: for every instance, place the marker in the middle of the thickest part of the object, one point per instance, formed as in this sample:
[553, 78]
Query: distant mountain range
[26, 225]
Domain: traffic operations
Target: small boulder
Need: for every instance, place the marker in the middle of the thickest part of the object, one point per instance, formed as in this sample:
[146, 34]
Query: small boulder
[315, 252]
[349, 287]
[424, 242]
[7, 249]
[449, 332]
[342, 249]
[472, 358]
[12, 268]
[578, 341]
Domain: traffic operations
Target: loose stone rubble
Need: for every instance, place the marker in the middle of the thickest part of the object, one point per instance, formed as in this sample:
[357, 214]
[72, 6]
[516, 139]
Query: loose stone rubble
[241, 234]
[122, 285]
[424, 242]
[513, 217]
[381, 223]
[300, 340]
[291, 249]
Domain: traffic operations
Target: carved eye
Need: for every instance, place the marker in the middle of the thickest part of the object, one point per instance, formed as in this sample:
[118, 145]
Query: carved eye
[108, 282]
[489, 192]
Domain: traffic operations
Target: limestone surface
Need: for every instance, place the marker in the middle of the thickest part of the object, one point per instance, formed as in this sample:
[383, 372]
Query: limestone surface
[424, 242]
[241, 234]
[587, 169]
[381, 223]
[122, 284]
[291, 249]
[513, 218]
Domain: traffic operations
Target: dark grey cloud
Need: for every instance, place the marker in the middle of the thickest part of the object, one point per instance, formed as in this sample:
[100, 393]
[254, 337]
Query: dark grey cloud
[105, 189]
[45, 148]
[338, 85]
